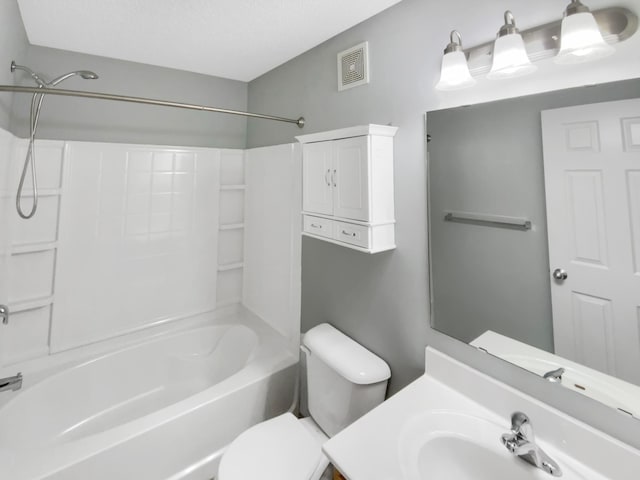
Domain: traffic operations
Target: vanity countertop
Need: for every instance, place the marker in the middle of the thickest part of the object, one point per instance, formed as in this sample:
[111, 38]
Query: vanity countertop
[386, 443]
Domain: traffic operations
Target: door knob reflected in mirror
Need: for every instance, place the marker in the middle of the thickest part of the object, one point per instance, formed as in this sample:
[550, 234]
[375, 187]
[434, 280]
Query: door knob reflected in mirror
[4, 314]
[560, 274]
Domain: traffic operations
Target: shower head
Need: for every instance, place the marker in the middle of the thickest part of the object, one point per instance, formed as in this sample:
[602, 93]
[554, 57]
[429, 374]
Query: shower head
[86, 74]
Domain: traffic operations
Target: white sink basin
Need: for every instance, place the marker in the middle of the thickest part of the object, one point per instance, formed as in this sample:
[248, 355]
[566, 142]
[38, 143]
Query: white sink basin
[449, 423]
[443, 445]
[439, 459]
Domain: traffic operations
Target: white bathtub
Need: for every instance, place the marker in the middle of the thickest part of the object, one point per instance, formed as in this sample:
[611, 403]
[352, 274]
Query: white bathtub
[159, 408]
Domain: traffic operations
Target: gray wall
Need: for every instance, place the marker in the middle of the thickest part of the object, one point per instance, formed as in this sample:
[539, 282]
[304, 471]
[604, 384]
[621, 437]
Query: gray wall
[70, 118]
[13, 45]
[382, 300]
[487, 158]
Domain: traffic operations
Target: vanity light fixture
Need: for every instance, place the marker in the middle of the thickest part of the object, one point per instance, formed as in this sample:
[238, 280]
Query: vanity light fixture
[510, 57]
[454, 72]
[511, 54]
[581, 39]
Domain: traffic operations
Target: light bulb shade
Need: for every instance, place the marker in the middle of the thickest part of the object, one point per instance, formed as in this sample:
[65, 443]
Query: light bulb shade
[510, 58]
[581, 40]
[454, 72]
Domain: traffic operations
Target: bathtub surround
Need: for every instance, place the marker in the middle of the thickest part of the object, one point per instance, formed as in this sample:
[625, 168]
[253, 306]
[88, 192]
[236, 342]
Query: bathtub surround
[383, 301]
[273, 224]
[132, 243]
[6, 150]
[129, 214]
[136, 225]
[124, 229]
[31, 254]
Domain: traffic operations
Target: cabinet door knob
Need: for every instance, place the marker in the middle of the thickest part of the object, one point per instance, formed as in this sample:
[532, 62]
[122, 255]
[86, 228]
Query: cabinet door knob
[315, 225]
[334, 176]
[326, 177]
[350, 234]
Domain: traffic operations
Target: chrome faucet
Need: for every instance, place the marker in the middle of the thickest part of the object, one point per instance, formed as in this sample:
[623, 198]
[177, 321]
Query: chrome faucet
[554, 375]
[521, 442]
[11, 383]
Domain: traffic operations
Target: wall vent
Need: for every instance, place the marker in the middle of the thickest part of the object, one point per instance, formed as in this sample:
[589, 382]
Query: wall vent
[353, 66]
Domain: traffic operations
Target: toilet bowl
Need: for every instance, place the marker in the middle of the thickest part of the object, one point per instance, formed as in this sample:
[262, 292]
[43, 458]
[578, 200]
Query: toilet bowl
[344, 381]
[284, 447]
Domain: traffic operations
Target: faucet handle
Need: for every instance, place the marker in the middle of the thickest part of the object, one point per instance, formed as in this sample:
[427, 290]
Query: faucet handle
[521, 426]
[521, 432]
[518, 419]
[554, 375]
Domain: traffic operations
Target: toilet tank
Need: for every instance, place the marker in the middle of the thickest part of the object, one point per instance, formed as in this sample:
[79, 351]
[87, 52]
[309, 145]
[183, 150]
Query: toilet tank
[344, 379]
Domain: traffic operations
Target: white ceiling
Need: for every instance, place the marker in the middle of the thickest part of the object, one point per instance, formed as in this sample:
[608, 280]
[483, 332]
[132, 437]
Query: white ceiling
[237, 39]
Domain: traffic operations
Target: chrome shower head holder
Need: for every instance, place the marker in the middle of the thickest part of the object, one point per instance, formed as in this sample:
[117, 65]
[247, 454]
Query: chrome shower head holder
[38, 79]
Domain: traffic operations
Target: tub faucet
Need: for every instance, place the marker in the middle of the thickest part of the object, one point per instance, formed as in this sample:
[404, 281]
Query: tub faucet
[11, 383]
[554, 375]
[521, 442]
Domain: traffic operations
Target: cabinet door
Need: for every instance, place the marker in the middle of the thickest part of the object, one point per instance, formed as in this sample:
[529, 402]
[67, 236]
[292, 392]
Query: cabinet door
[349, 178]
[316, 178]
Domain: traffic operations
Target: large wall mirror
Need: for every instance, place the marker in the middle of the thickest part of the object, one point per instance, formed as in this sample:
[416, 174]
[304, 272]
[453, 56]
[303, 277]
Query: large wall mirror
[534, 224]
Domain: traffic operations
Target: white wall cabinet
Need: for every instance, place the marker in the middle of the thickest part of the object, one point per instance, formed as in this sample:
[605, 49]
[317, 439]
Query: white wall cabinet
[347, 187]
[317, 167]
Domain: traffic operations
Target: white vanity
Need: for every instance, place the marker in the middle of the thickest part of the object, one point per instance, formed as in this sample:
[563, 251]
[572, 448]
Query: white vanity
[449, 424]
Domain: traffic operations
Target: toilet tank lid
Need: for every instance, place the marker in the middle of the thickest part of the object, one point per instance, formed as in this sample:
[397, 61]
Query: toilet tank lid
[346, 356]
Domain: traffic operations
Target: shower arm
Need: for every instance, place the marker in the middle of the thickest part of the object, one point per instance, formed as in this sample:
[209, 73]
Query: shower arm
[147, 101]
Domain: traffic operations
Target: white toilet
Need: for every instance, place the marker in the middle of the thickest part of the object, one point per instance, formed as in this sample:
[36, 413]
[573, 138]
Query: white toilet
[344, 381]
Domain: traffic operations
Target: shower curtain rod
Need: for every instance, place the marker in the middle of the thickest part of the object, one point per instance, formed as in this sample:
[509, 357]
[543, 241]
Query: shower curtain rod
[147, 101]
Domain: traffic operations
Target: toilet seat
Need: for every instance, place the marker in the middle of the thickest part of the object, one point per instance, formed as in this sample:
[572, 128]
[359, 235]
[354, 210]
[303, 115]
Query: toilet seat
[278, 448]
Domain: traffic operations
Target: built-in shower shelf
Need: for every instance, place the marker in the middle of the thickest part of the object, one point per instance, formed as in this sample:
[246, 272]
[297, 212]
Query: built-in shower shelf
[230, 266]
[32, 304]
[233, 187]
[33, 247]
[232, 226]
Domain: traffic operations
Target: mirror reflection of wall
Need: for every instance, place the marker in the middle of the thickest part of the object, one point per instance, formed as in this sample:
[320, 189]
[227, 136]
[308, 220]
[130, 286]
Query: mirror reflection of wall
[487, 160]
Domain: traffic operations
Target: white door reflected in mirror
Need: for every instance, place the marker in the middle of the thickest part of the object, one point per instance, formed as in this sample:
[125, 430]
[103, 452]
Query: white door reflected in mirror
[592, 183]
